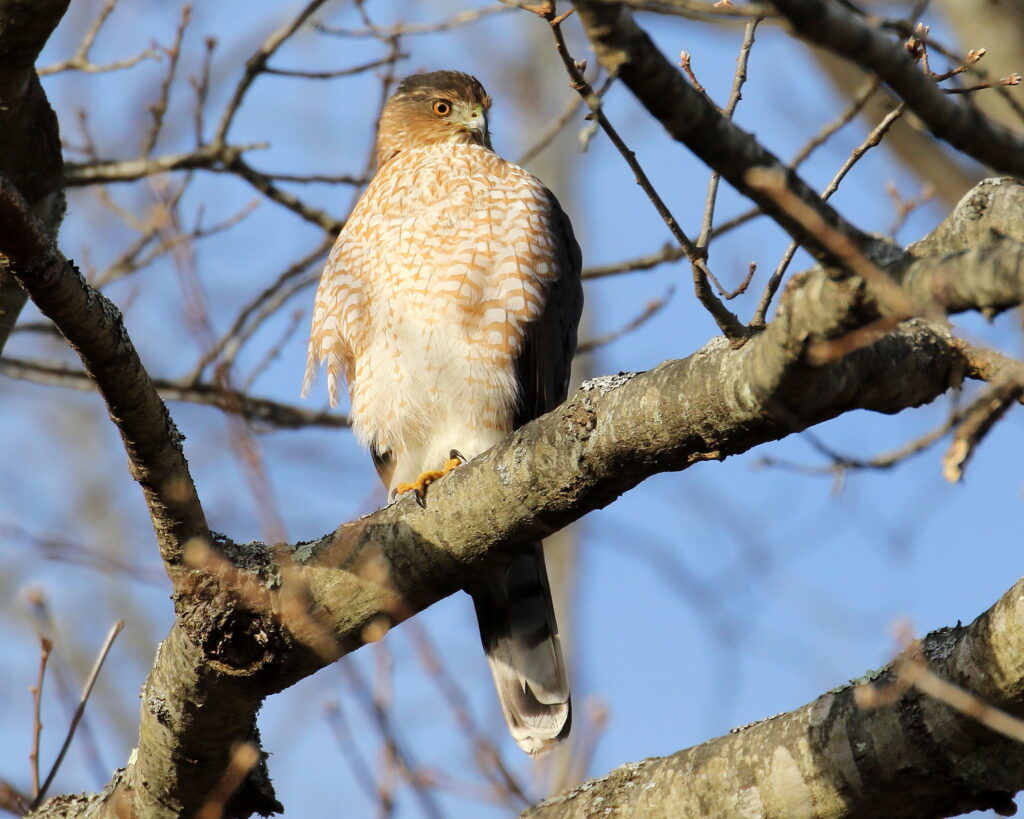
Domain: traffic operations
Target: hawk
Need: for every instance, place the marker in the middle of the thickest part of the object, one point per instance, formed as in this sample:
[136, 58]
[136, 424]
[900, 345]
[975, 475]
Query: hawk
[449, 303]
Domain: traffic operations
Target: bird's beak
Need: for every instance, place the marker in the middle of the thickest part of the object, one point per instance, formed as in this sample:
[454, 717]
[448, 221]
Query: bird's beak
[475, 121]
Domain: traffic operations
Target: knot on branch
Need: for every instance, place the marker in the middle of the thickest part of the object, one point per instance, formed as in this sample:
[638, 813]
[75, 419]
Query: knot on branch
[226, 606]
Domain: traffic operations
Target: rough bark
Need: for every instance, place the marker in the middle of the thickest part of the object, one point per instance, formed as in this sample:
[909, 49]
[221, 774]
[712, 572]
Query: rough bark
[30, 153]
[913, 758]
[254, 619]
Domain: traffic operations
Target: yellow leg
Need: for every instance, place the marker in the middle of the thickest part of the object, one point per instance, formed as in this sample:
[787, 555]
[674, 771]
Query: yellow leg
[419, 486]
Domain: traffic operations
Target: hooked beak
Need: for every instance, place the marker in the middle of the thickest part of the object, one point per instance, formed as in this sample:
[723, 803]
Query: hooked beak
[475, 121]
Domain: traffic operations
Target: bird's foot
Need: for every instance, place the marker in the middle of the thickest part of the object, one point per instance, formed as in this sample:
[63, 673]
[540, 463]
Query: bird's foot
[419, 486]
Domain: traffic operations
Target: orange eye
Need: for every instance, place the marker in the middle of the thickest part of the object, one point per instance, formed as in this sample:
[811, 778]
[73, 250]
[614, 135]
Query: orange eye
[442, 108]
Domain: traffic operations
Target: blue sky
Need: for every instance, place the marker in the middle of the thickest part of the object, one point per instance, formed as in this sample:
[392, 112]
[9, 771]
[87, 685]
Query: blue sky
[703, 600]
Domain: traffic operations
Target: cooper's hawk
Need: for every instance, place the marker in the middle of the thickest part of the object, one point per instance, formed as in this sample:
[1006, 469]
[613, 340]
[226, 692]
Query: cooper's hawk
[450, 303]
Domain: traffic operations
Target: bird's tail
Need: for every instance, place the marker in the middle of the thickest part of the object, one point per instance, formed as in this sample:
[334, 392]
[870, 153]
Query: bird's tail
[520, 637]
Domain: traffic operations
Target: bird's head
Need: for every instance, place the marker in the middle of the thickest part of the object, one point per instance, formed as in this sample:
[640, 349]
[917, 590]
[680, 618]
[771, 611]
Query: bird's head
[432, 109]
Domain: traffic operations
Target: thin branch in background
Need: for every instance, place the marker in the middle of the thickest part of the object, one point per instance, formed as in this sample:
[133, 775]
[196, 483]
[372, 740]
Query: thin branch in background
[333, 75]
[456, 20]
[243, 443]
[349, 749]
[395, 748]
[158, 110]
[273, 351]
[80, 61]
[388, 78]
[37, 704]
[258, 411]
[557, 126]
[265, 185]
[255, 312]
[839, 464]
[52, 547]
[669, 253]
[89, 683]
[860, 98]
[652, 308]
[201, 88]
[255, 65]
[735, 95]
[905, 207]
[319, 178]
[726, 320]
[872, 140]
[132, 260]
[244, 757]
[486, 755]
[39, 610]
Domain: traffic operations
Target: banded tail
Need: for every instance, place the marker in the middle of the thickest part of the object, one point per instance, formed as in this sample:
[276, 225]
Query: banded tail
[520, 638]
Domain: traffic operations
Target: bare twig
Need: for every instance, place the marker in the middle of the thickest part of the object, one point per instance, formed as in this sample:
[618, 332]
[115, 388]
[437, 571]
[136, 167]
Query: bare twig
[80, 60]
[888, 292]
[651, 309]
[332, 75]
[388, 733]
[37, 702]
[726, 320]
[256, 64]
[871, 141]
[257, 410]
[735, 95]
[403, 29]
[159, 109]
[86, 691]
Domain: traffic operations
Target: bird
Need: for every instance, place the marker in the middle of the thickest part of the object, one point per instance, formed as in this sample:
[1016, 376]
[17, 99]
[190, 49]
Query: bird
[449, 304]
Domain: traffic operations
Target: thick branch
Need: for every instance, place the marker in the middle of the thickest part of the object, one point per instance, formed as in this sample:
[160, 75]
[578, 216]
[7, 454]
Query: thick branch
[30, 154]
[829, 25]
[253, 619]
[332, 596]
[94, 328]
[912, 757]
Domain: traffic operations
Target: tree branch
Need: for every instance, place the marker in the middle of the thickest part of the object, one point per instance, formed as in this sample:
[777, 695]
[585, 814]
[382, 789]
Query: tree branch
[830, 25]
[626, 51]
[254, 619]
[94, 328]
[911, 757]
[30, 154]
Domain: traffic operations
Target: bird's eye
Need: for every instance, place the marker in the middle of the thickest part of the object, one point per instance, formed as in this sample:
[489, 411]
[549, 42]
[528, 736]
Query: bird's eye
[442, 108]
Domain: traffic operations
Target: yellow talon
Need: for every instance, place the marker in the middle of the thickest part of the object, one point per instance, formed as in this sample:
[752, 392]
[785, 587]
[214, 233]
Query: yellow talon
[419, 486]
